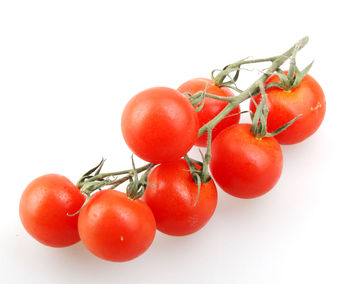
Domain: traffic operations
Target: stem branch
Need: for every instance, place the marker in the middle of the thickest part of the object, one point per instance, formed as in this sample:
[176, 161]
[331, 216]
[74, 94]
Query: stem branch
[277, 61]
[219, 79]
[207, 157]
[104, 175]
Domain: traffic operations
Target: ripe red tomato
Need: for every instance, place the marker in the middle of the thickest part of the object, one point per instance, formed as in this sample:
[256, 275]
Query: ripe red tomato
[243, 165]
[306, 99]
[172, 199]
[159, 125]
[115, 227]
[43, 210]
[211, 106]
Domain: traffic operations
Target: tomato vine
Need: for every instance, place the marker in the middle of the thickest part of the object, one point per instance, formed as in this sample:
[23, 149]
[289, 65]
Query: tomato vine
[227, 77]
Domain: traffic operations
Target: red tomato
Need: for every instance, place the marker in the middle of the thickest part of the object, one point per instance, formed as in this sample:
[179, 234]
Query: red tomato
[43, 210]
[159, 125]
[306, 99]
[243, 165]
[172, 199]
[115, 227]
[211, 106]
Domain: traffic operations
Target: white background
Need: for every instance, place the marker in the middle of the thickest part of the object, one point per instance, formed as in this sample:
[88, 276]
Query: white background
[67, 68]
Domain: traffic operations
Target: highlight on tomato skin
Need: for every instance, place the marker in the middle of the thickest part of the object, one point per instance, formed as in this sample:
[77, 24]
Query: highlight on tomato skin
[306, 99]
[116, 228]
[211, 106]
[172, 195]
[244, 166]
[159, 125]
[43, 210]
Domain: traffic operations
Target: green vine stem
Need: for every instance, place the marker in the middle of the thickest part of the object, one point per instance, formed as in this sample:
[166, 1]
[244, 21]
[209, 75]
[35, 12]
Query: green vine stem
[102, 177]
[206, 159]
[219, 79]
[277, 61]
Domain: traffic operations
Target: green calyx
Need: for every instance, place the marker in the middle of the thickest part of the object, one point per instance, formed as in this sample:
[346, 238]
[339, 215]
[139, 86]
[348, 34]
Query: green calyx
[197, 99]
[294, 76]
[291, 80]
[136, 187]
[199, 176]
[259, 118]
[93, 180]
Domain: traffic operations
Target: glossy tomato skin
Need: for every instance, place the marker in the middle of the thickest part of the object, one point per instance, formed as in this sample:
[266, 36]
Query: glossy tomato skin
[244, 166]
[172, 199]
[307, 99]
[116, 228]
[159, 125]
[211, 106]
[43, 210]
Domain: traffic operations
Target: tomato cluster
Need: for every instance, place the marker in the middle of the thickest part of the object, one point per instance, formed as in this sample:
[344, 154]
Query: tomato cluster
[176, 194]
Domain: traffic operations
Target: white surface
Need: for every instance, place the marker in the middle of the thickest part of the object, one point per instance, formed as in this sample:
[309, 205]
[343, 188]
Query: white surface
[67, 68]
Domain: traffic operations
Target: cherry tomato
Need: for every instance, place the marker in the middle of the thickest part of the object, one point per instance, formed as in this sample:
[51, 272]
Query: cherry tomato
[43, 210]
[307, 99]
[115, 227]
[159, 125]
[211, 106]
[172, 199]
[243, 165]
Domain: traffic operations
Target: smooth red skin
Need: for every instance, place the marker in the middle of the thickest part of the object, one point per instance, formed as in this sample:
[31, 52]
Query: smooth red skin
[116, 228]
[43, 210]
[244, 166]
[159, 125]
[211, 106]
[307, 99]
[172, 199]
